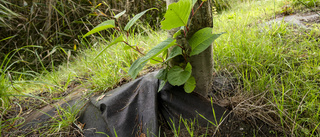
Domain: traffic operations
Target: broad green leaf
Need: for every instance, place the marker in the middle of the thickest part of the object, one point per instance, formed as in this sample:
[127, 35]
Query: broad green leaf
[102, 26]
[162, 74]
[174, 52]
[160, 48]
[120, 14]
[177, 15]
[117, 40]
[201, 40]
[155, 60]
[162, 83]
[164, 45]
[177, 76]
[135, 18]
[190, 85]
[136, 67]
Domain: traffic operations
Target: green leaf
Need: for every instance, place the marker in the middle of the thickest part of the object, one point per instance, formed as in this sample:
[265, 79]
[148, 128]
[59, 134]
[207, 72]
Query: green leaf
[162, 83]
[174, 52]
[102, 26]
[155, 60]
[190, 85]
[162, 74]
[135, 18]
[177, 15]
[120, 14]
[177, 76]
[160, 48]
[165, 54]
[117, 40]
[194, 2]
[126, 47]
[136, 66]
[178, 32]
[201, 40]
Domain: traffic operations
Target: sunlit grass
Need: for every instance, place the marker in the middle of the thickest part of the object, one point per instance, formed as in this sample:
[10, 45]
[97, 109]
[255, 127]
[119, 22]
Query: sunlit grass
[102, 72]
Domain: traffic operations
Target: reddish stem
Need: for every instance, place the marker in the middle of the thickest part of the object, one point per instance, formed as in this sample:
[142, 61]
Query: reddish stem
[138, 50]
[184, 32]
[180, 46]
[117, 29]
[196, 11]
[185, 58]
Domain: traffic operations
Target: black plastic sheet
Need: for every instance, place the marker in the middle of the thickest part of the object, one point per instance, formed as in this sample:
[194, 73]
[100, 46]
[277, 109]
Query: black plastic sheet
[134, 109]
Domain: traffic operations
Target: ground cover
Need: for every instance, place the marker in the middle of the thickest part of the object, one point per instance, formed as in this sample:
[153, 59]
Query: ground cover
[269, 76]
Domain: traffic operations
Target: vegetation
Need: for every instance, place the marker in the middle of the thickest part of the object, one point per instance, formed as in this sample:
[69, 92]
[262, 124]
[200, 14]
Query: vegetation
[176, 75]
[276, 69]
[308, 3]
[57, 27]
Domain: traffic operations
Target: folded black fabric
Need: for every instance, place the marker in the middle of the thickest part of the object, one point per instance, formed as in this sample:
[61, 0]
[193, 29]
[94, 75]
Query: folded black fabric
[135, 108]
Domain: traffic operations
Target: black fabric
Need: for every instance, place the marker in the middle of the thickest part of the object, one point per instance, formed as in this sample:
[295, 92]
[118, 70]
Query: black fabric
[133, 109]
[174, 103]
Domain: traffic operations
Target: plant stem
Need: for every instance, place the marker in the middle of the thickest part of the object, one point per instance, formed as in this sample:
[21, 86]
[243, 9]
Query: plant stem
[195, 13]
[136, 49]
[180, 46]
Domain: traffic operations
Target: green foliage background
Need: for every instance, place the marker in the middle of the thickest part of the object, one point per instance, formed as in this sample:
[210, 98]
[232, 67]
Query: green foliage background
[58, 25]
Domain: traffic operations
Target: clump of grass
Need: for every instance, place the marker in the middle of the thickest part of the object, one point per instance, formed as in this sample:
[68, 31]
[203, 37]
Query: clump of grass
[4, 88]
[6, 80]
[65, 121]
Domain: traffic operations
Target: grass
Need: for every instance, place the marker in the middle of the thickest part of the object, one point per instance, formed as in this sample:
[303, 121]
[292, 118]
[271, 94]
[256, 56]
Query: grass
[278, 68]
[281, 61]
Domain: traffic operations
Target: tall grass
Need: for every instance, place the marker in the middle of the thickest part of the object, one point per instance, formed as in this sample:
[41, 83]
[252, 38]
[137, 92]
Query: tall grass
[102, 72]
[57, 26]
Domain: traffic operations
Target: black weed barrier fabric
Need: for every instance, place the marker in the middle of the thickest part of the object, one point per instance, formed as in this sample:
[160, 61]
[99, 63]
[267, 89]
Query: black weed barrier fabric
[134, 109]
